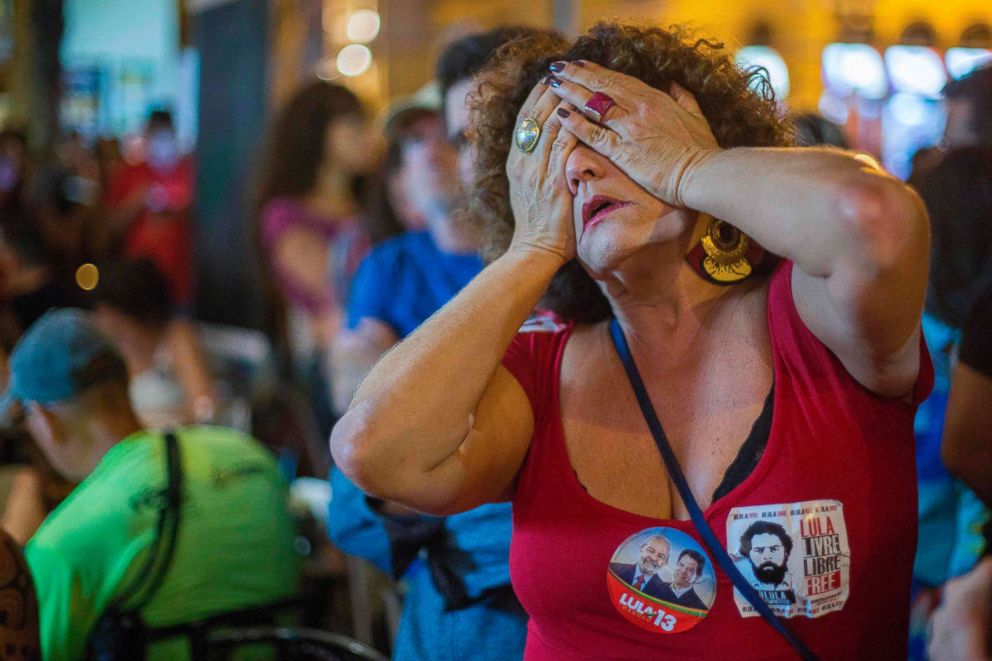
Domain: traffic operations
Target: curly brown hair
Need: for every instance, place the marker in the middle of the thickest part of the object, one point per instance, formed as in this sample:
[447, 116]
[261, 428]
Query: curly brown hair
[739, 105]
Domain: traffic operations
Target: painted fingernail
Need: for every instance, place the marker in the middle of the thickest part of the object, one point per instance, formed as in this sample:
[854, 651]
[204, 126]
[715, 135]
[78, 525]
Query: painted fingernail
[579, 63]
[546, 79]
[563, 113]
[557, 67]
[554, 82]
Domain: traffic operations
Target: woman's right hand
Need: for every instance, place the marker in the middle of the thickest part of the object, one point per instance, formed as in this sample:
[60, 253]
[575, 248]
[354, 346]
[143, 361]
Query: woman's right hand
[539, 195]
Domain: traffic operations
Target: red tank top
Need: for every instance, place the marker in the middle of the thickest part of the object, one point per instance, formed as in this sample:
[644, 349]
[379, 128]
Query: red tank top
[824, 527]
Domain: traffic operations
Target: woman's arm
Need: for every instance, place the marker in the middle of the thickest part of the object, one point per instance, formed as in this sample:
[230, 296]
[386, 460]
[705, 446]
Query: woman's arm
[439, 425]
[192, 369]
[25, 510]
[353, 354]
[859, 237]
[966, 447]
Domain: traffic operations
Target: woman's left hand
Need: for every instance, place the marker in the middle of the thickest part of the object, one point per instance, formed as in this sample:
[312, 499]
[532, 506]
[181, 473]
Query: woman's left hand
[652, 136]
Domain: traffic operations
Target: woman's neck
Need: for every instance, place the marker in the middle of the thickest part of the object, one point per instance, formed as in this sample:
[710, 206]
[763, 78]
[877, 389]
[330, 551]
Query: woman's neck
[452, 236]
[661, 302]
[332, 195]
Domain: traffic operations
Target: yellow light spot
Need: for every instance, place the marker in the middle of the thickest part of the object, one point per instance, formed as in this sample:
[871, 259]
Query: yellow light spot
[868, 160]
[87, 277]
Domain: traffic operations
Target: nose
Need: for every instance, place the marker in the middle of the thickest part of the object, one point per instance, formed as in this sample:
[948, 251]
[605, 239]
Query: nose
[583, 165]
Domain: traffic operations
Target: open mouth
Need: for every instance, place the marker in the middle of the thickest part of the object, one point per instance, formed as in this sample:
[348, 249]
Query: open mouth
[598, 207]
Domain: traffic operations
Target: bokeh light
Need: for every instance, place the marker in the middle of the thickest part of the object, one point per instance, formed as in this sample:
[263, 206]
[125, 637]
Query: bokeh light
[962, 61]
[767, 58]
[354, 60]
[87, 277]
[855, 68]
[916, 69]
[363, 26]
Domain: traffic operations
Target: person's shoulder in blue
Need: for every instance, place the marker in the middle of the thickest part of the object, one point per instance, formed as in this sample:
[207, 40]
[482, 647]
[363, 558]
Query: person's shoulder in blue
[459, 602]
[405, 279]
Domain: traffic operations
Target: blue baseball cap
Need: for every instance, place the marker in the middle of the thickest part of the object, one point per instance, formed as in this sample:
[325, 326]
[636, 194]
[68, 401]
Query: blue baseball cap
[61, 355]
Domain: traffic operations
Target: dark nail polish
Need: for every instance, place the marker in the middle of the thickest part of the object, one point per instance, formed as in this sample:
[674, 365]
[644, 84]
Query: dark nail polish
[546, 79]
[563, 113]
[554, 82]
[579, 63]
[557, 67]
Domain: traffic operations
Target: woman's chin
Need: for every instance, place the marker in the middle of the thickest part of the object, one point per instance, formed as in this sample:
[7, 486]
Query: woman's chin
[600, 261]
[605, 248]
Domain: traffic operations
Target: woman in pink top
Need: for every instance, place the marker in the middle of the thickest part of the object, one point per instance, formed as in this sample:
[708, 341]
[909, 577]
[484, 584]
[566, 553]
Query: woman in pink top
[785, 380]
[319, 148]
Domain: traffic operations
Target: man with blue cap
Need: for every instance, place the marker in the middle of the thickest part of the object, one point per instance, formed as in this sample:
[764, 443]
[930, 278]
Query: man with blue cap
[164, 528]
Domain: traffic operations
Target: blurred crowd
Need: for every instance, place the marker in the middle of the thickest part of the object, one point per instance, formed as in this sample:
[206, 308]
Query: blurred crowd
[357, 228]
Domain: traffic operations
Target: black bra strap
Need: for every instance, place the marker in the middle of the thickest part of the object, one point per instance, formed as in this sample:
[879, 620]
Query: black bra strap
[702, 526]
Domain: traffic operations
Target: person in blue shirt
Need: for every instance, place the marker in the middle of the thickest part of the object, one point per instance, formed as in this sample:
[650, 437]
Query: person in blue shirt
[459, 603]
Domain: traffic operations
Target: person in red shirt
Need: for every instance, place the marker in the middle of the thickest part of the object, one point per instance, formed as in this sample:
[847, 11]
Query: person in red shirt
[149, 207]
[643, 186]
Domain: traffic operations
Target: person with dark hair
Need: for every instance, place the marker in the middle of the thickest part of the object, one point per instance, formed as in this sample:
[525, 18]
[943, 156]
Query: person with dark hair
[648, 182]
[957, 192]
[407, 277]
[170, 381]
[29, 285]
[968, 122]
[767, 547]
[461, 601]
[958, 195]
[64, 195]
[318, 151]
[149, 205]
[456, 67]
[961, 628]
[966, 447]
[101, 551]
[682, 590]
[968, 102]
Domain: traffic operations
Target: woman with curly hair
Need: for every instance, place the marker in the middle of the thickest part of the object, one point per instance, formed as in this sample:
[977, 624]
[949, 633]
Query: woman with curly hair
[721, 412]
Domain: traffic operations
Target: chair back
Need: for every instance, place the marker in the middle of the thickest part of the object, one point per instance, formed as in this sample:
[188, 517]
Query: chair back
[291, 644]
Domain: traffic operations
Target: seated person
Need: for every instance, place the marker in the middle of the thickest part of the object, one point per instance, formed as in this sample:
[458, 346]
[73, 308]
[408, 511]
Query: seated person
[962, 627]
[29, 284]
[459, 600]
[233, 532]
[170, 380]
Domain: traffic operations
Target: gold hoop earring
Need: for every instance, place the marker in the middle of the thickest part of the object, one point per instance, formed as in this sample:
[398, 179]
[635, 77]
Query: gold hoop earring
[724, 254]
